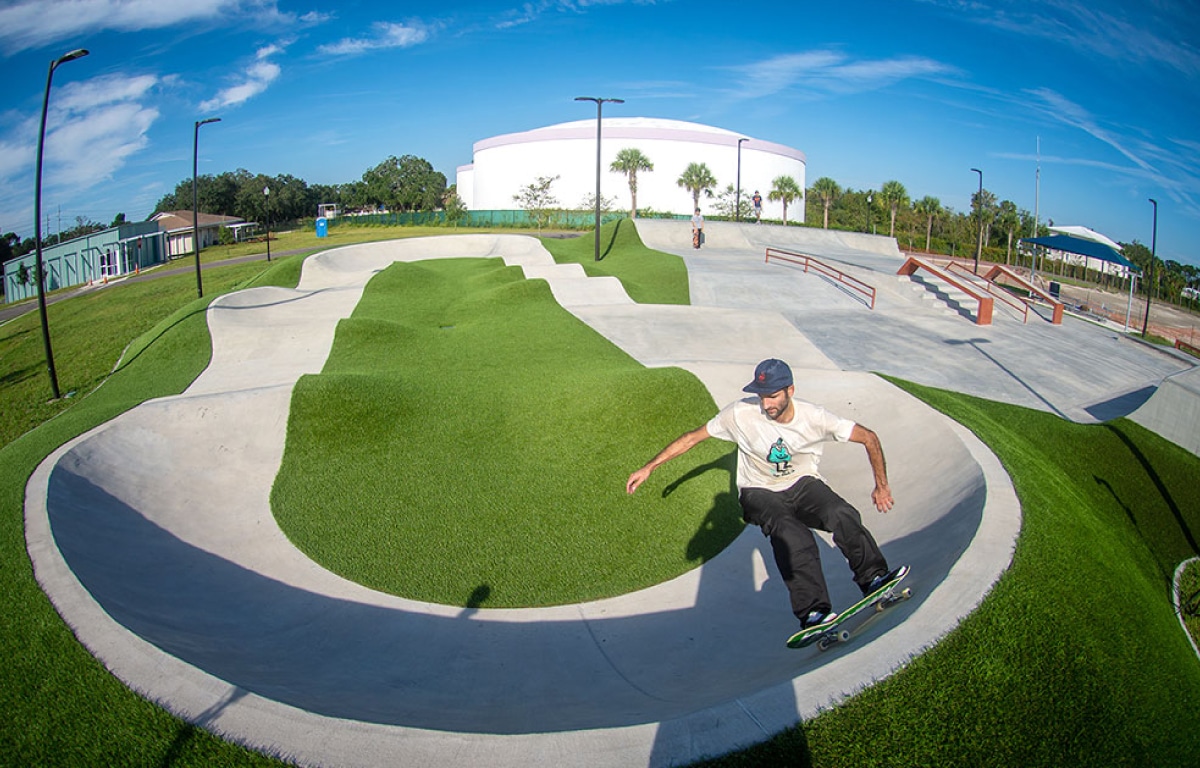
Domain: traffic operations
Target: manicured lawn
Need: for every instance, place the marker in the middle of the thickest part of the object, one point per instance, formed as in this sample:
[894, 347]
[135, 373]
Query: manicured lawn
[480, 436]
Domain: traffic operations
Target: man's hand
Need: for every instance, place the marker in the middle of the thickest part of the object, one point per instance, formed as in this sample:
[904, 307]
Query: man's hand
[636, 479]
[882, 496]
[677, 447]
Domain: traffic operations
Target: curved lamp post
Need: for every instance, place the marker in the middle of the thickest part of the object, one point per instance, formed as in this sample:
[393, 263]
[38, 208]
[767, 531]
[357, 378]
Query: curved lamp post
[599, 108]
[78, 53]
[979, 207]
[267, 195]
[738, 200]
[1150, 282]
[195, 215]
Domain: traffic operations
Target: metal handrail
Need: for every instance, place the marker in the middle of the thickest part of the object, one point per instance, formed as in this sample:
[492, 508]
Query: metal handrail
[820, 267]
[1004, 296]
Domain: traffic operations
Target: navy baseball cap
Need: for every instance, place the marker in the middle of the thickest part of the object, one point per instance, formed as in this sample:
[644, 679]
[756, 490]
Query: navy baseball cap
[769, 377]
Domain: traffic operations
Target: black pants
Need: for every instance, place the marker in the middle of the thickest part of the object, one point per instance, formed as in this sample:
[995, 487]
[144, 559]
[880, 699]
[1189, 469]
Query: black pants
[787, 517]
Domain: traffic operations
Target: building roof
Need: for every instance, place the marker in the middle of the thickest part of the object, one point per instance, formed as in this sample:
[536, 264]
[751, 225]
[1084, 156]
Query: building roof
[635, 128]
[1086, 234]
[173, 221]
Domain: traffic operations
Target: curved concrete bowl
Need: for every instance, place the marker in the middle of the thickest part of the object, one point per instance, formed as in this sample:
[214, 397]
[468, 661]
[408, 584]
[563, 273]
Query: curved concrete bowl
[154, 537]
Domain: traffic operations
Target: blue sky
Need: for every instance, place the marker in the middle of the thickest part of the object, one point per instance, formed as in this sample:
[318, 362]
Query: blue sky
[915, 90]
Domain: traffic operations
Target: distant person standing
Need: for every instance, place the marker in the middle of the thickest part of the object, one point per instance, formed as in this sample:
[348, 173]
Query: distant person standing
[757, 200]
[697, 229]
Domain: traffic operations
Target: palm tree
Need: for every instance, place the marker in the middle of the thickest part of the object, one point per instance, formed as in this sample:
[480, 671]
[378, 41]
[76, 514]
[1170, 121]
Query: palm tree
[893, 195]
[629, 161]
[1010, 221]
[827, 190]
[930, 208]
[697, 178]
[786, 189]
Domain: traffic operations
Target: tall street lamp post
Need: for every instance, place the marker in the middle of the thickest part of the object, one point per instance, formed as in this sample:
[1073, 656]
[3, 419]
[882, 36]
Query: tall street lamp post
[979, 207]
[1150, 282]
[267, 196]
[195, 212]
[599, 110]
[37, 220]
[738, 203]
[867, 229]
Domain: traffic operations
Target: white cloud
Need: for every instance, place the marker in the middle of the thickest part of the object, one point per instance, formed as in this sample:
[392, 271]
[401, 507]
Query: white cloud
[257, 77]
[1167, 168]
[385, 34]
[93, 127]
[28, 24]
[827, 71]
[532, 11]
[1157, 35]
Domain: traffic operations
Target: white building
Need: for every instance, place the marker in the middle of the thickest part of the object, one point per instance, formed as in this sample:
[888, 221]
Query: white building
[504, 165]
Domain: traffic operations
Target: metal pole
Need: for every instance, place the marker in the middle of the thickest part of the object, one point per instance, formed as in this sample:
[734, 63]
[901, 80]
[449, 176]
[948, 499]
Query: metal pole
[599, 110]
[1150, 282]
[40, 274]
[979, 206]
[1037, 195]
[267, 195]
[738, 202]
[195, 212]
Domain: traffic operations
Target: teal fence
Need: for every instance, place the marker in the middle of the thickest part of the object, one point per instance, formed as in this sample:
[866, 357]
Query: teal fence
[493, 219]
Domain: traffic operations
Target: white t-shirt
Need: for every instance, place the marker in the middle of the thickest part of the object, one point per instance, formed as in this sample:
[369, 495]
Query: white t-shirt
[772, 454]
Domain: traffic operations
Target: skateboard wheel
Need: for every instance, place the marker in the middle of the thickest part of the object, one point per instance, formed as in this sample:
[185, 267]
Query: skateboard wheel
[880, 606]
[906, 593]
[824, 643]
[844, 635]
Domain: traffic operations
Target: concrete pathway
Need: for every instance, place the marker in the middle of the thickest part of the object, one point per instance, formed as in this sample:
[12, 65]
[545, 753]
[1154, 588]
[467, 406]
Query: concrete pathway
[154, 538]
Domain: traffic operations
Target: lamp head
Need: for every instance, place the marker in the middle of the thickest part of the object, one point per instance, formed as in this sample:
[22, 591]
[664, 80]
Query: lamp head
[78, 53]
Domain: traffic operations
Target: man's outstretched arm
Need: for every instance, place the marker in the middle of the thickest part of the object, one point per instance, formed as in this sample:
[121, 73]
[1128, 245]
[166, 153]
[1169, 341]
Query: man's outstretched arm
[882, 495]
[677, 447]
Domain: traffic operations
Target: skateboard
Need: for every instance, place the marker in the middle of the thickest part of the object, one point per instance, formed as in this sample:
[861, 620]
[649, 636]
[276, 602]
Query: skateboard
[879, 600]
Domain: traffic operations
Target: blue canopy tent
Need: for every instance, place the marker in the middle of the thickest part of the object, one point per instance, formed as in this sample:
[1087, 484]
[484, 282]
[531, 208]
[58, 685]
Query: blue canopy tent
[1091, 250]
[1083, 247]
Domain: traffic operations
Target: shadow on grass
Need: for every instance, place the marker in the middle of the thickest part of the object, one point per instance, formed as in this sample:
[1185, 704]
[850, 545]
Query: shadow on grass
[162, 331]
[188, 733]
[723, 522]
[1163, 491]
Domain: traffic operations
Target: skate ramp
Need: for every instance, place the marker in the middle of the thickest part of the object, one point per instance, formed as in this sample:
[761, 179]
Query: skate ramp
[153, 536]
[873, 252]
[1173, 411]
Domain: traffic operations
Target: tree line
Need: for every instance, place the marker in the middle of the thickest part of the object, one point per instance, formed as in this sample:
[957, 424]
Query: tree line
[409, 183]
[927, 225]
[405, 184]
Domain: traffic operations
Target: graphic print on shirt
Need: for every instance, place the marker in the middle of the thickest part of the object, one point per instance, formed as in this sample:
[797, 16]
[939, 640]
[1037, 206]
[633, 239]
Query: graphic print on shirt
[781, 457]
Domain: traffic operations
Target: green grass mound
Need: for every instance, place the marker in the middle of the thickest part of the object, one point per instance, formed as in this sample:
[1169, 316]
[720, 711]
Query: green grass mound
[469, 438]
[649, 277]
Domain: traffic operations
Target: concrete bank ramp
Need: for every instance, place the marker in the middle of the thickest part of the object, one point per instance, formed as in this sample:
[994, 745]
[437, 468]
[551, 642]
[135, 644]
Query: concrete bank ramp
[856, 248]
[154, 538]
[1173, 411]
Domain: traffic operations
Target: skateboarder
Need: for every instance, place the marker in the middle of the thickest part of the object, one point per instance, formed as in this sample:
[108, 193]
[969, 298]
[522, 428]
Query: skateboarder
[779, 443]
[697, 229]
[757, 201]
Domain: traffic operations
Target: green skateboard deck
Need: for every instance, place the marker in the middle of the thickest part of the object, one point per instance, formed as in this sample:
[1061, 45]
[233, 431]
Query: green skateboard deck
[827, 634]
